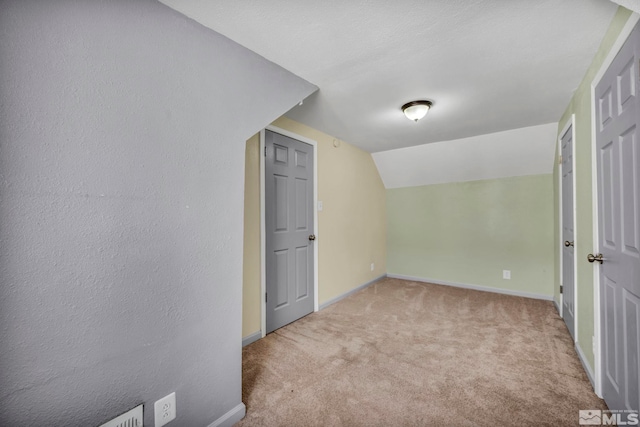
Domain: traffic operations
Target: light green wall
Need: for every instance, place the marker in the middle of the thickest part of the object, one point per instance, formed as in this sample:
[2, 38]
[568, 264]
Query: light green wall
[468, 232]
[580, 105]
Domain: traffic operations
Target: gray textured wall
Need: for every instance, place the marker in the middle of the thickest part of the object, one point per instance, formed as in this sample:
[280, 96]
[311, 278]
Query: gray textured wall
[122, 134]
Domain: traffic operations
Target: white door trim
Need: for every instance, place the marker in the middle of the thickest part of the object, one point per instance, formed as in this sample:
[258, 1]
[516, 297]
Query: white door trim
[617, 45]
[263, 239]
[570, 123]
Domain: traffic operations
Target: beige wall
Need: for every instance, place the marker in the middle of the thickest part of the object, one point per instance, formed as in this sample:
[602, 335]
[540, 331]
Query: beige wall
[351, 227]
[251, 256]
[580, 105]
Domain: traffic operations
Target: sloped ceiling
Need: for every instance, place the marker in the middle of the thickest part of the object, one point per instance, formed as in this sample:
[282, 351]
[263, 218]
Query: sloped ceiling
[633, 5]
[488, 65]
[517, 152]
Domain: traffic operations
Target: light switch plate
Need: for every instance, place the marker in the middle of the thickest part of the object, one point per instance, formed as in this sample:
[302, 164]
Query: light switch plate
[319, 205]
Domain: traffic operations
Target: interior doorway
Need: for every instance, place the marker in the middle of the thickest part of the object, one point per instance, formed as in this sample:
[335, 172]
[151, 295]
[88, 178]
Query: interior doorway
[567, 228]
[288, 227]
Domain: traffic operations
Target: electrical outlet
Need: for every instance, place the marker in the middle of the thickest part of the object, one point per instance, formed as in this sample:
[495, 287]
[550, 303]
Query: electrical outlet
[506, 274]
[165, 410]
[372, 266]
[320, 206]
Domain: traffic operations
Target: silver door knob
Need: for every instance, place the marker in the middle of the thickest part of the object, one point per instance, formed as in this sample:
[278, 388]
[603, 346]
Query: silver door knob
[568, 243]
[312, 237]
[593, 258]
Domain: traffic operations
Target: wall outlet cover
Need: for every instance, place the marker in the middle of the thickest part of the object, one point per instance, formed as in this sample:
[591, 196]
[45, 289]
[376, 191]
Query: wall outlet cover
[506, 274]
[165, 410]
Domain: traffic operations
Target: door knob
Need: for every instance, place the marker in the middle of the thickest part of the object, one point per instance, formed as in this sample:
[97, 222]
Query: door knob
[593, 258]
[312, 237]
[568, 243]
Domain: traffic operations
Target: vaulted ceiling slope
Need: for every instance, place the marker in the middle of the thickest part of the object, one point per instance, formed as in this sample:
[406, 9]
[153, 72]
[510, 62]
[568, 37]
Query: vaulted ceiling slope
[633, 5]
[516, 152]
[488, 65]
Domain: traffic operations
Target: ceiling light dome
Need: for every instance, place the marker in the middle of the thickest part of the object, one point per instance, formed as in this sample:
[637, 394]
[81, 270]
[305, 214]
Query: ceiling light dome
[415, 110]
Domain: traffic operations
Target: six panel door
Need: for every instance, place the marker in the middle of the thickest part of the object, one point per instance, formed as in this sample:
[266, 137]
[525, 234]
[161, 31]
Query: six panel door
[289, 229]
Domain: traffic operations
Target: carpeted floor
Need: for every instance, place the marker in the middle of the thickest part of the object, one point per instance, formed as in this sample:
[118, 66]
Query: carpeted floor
[402, 353]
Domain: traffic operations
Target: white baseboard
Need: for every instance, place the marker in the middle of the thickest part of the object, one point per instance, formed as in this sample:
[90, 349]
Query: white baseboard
[352, 291]
[557, 306]
[474, 287]
[231, 417]
[585, 365]
[251, 338]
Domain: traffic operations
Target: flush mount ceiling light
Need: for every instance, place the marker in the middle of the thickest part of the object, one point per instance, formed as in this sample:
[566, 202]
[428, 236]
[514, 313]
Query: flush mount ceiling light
[415, 110]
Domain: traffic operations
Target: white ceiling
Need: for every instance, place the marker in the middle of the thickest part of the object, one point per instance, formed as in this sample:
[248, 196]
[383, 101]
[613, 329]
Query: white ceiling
[517, 152]
[488, 65]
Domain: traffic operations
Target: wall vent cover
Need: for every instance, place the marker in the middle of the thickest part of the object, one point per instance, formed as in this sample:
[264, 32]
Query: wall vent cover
[132, 418]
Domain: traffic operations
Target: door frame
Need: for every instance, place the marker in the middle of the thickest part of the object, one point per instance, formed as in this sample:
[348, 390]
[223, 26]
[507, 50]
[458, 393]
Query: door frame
[571, 123]
[263, 236]
[597, 336]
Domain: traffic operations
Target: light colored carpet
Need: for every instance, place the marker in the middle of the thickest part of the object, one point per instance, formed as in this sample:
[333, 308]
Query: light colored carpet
[402, 353]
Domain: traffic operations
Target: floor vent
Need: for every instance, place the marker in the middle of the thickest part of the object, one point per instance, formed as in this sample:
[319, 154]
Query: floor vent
[132, 418]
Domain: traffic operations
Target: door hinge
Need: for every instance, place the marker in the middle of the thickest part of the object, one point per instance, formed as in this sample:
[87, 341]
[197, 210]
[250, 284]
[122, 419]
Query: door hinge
[266, 299]
[265, 151]
[561, 288]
